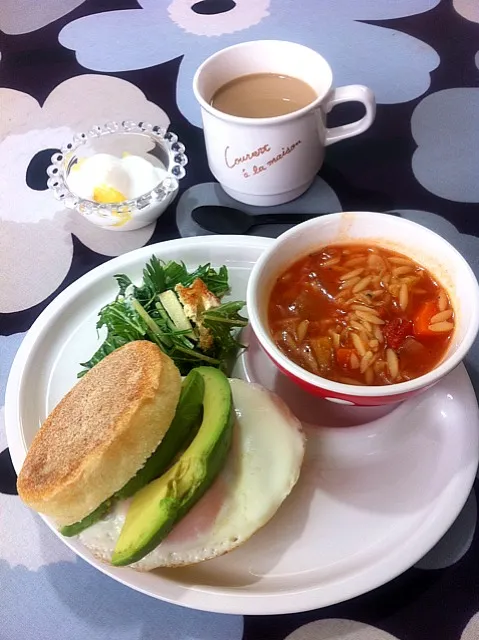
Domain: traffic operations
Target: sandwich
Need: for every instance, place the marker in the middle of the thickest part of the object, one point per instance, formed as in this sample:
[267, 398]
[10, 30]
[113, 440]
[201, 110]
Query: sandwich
[150, 470]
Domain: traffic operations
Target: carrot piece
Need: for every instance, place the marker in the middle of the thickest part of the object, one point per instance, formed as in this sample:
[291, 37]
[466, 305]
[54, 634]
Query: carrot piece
[423, 319]
[343, 357]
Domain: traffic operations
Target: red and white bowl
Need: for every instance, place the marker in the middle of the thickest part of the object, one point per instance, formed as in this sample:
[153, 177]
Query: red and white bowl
[427, 248]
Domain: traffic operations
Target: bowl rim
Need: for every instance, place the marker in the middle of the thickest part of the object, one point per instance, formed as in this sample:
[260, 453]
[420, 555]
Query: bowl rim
[340, 388]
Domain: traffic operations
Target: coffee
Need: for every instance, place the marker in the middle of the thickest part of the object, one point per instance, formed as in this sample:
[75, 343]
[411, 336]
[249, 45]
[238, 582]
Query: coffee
[262, 95]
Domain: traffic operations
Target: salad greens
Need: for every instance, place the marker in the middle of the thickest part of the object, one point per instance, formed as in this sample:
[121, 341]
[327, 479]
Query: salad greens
[137, 314]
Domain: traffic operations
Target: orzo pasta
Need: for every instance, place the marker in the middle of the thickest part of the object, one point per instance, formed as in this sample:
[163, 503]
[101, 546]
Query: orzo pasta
[361, 315]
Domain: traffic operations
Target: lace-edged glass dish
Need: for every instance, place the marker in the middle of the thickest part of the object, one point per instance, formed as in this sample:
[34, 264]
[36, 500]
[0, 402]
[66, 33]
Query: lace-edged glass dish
[155, 144]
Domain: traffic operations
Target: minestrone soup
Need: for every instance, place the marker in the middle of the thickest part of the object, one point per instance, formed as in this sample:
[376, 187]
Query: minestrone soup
[361, 315]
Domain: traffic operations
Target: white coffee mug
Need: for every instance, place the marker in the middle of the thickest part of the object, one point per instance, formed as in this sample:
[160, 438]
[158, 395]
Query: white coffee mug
[268, 161]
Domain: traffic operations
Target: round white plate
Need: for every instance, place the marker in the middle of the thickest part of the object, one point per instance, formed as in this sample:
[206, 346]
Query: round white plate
[378, 489]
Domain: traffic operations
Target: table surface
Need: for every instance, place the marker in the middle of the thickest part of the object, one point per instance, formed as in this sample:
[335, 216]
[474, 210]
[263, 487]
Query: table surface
[66, 65]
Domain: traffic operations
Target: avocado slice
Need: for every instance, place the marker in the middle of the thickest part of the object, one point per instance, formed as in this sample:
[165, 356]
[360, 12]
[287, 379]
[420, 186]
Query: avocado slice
[179, 435]
[156, 508]
[77, 527]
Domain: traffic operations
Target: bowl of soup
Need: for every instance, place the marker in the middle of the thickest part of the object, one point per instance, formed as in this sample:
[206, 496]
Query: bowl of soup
[363, 308]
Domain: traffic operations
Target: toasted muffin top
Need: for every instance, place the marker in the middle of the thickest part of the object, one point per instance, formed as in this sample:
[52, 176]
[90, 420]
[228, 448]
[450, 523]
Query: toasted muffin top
[101, 433]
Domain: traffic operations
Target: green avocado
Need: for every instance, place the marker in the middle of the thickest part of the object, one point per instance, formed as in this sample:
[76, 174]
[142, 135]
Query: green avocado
[179, 435]
[77, 527]
[156, 509]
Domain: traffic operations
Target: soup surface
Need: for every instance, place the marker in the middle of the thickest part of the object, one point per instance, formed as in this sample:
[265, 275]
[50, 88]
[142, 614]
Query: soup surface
[361, 315]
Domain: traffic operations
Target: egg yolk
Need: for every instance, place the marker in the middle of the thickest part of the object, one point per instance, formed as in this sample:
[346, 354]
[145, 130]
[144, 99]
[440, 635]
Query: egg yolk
[107, 195]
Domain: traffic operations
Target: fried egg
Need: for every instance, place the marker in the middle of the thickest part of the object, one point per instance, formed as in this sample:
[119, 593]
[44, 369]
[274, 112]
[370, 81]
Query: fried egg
[108, 179]
[262, 467]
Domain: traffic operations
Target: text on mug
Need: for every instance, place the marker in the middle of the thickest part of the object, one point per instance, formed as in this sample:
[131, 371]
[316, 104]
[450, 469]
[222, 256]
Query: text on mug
[232, 162]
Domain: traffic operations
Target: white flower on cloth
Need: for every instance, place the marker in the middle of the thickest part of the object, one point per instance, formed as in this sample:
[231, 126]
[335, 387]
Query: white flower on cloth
[338, 629]
[395, 65]
[471, 632]
[445, 126]
[469, 9]
[36, 245]
[341, 629]
[24, 16]
[200, 17]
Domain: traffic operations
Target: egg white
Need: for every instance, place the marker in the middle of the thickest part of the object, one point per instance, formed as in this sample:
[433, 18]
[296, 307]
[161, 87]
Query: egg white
[132, 176]
[262, 468]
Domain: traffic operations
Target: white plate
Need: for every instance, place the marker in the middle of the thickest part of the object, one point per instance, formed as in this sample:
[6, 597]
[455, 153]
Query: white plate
[372, 498]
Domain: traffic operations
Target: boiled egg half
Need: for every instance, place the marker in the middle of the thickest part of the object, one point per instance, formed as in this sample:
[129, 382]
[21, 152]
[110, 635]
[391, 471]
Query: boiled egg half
[108, 179]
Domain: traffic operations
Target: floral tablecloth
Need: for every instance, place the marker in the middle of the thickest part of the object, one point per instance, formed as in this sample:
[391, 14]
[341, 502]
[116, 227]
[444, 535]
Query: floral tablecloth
[68, 64]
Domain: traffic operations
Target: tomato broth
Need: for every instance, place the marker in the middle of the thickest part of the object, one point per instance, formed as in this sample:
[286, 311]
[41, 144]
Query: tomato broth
[361, 314]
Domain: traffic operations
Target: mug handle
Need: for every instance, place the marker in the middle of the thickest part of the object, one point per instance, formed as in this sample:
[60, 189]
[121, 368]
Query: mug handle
[351, 93]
